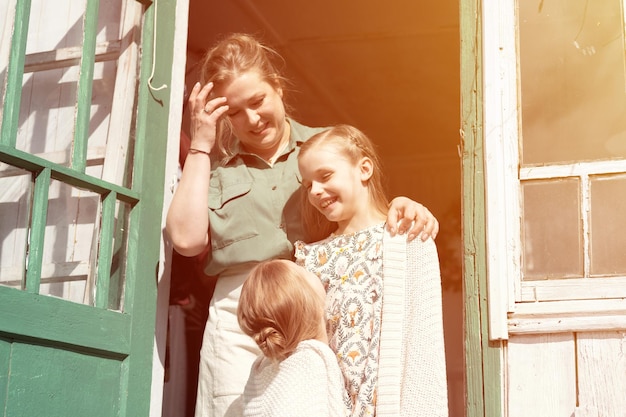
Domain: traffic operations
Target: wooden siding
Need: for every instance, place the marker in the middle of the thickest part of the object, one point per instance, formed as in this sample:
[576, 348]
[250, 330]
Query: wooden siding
[567, 375]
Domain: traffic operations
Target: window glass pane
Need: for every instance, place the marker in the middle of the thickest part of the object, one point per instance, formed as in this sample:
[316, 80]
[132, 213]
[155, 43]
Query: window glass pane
[608, 225]
[66, 31]
[48, 102]
[47, 113]
[15, 205]
[572, 80]
[70, 243]
[551, 229]
[109, 17]
[46, 124]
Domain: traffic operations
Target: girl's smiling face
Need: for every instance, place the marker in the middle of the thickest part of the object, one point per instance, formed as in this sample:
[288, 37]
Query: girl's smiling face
[336, 185]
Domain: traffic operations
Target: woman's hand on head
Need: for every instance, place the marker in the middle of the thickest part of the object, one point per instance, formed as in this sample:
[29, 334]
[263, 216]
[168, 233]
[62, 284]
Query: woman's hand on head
[205, 115]
[406, 215]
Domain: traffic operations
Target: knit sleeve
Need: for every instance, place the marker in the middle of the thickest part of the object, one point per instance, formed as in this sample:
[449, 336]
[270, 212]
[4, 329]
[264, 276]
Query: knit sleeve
[424, 384]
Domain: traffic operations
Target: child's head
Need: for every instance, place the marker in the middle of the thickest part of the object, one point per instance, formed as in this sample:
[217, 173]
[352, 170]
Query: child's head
[322, 162]
[281, 304]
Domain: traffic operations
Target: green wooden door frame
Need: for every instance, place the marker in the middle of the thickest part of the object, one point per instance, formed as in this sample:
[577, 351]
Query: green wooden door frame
[483, 359]
[152, 134]
[131, 332]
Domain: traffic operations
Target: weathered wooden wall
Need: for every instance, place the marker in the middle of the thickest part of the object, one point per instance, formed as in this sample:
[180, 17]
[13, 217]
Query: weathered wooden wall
[567, 375]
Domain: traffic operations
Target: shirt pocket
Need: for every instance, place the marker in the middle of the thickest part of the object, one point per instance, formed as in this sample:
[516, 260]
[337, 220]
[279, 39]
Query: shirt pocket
[230, 214]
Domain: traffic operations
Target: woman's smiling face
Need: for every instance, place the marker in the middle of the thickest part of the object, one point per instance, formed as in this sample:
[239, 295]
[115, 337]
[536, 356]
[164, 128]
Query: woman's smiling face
[256, 113]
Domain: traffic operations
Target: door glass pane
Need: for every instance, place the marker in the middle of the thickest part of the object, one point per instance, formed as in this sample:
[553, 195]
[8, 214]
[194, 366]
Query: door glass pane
[70, 243]
[15, 206]
[47, 113]
[551, 229]
[608, 225]
[572, 80]
[46, 123]
[66, 31]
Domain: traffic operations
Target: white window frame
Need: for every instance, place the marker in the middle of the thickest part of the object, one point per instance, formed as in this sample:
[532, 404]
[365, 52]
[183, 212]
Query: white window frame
[516, 306]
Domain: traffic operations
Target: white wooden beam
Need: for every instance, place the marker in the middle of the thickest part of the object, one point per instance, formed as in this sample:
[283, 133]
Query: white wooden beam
[501, 161]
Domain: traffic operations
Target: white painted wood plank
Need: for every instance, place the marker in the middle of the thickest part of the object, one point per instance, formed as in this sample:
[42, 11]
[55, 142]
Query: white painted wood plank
[501, 161]
[55, 24]
[569, 307]
[568, 316]
[537, 325]
[65, 57]
[122, 108]
[50, 272]
[14, 215]
[602, 374]
[573, 289]
[573, 170]
[541, 375]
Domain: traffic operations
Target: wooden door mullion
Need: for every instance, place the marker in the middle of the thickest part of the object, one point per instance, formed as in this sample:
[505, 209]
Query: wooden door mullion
[15, 73]
[105, 249]
[85, 87]
[37, 230]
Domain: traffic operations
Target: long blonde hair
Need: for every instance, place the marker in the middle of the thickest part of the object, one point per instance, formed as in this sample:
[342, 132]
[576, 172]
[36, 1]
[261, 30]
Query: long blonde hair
[230, 57]
[355, 145]
[278, 308]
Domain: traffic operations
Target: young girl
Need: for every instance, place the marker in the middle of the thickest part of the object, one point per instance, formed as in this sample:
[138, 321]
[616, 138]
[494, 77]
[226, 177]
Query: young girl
[383, 305]
[282, 309]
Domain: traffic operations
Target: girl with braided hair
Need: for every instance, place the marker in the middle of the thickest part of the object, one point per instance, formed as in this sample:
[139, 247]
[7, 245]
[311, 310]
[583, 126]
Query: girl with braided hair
[383, 303]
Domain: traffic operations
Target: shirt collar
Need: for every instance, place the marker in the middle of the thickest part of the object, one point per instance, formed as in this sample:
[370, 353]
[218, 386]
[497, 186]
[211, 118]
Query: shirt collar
[296, 137]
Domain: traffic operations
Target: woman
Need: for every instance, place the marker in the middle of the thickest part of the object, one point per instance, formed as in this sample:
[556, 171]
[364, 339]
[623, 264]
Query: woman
[242, 165]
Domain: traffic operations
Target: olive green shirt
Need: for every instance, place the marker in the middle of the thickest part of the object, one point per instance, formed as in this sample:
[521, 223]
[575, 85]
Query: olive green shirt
[254, 208]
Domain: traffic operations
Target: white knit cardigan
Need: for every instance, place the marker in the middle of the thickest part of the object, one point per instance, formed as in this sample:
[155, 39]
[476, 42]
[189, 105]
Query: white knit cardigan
[412, 368]
[308, 383]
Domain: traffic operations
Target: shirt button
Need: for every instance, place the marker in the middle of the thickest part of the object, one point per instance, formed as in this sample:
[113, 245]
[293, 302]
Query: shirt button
[274, 188]
[281, 226]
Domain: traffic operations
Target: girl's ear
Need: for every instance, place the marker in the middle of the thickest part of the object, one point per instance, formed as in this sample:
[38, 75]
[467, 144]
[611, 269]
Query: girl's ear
[367, 168]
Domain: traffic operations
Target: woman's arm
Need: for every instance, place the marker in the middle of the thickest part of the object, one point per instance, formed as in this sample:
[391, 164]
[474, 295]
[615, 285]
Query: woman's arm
[406, 215]
[187, 222]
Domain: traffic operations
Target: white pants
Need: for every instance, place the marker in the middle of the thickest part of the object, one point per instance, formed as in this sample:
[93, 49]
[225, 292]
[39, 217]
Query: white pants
[227, 353]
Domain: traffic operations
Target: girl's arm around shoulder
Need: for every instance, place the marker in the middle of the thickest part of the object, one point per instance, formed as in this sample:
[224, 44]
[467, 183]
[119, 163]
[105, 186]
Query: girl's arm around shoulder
[406, 215]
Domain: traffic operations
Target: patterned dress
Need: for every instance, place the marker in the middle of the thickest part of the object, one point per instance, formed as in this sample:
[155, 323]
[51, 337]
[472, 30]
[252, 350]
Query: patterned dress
[350, 267]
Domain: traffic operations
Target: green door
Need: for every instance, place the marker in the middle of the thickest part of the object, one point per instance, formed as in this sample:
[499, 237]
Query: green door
[82, 156]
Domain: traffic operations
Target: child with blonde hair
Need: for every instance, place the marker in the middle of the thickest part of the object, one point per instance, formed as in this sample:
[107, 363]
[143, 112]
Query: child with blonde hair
[383, 303]
[282, 308]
